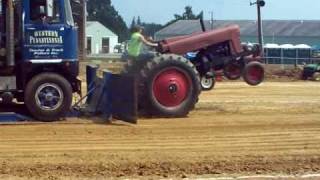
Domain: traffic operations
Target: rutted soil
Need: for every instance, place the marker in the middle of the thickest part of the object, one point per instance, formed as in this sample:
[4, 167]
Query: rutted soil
[235, 130]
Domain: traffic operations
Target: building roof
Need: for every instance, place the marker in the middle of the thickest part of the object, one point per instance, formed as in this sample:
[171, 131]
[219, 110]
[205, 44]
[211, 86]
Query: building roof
[286, 28]
[95, 25]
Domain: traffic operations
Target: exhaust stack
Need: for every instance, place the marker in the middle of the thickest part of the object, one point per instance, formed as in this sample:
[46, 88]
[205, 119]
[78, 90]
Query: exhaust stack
[203, 27]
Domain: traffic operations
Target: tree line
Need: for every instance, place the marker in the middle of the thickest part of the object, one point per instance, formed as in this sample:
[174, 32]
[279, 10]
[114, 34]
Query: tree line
[105, 13]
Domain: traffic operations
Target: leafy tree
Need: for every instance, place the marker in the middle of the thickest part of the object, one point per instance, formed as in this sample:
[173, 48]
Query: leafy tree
[200, 15]
[187, 15]
[105, 13]
[151, 28]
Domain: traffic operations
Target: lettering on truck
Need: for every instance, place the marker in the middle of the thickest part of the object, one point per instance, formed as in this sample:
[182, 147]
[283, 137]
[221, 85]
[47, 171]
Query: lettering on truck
[45, 37]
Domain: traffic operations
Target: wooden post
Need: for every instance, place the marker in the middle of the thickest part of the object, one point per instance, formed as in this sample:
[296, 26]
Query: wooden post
[10, 34]
[82, 30]
[296, 61]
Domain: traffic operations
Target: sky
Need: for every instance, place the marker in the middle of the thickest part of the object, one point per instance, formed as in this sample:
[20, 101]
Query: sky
[162, 11]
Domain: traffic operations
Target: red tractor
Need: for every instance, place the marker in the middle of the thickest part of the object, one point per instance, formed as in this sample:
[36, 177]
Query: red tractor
[170, 84]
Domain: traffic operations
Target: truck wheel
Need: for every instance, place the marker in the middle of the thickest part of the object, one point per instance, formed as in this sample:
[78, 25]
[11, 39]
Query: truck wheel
[253, 73]
[316, 76]
[207, 84]
[48, 97]
[233, 70]
[172, 86]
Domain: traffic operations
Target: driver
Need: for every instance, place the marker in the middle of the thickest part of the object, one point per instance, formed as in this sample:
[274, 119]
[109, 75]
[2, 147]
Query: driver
[135, 45]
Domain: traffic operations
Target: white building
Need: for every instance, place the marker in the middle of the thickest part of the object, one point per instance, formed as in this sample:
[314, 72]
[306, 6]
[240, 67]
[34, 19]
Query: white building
[100, 40]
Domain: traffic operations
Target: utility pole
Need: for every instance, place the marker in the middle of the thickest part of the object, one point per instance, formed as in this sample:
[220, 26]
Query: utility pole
[82, 30]
[10, 33]
[211, 21]
[259, 3]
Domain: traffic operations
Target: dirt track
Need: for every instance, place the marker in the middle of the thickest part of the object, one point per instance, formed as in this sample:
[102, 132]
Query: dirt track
[235, 130]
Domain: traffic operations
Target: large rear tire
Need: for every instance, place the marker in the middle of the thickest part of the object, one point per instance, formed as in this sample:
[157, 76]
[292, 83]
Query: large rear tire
[48, 97]
[254, 73]
[171, 86]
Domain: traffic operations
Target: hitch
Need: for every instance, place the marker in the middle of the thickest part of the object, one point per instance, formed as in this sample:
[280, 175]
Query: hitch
[112, 96]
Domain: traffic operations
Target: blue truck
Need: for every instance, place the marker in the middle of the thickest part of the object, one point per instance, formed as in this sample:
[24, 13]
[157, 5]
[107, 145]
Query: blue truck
[38, 56]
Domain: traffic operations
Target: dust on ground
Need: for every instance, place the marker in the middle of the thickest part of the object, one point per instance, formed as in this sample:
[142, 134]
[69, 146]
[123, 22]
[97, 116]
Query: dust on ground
[235, 129]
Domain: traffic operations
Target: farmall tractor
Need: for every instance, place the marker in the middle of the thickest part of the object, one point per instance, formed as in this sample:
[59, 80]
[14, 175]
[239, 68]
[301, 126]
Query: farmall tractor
[217, 60]
[170, 84]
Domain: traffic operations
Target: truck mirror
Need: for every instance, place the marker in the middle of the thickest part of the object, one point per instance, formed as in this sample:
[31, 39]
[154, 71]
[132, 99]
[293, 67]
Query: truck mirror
[49, 8]
[41, 11]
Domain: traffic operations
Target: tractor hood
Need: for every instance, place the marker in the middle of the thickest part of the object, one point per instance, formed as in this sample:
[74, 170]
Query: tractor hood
[314, 67]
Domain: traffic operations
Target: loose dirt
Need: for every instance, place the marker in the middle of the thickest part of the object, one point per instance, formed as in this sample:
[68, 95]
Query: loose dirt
[235, 130]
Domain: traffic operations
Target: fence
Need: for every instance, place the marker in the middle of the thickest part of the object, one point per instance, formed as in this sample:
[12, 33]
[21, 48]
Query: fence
[291, 56]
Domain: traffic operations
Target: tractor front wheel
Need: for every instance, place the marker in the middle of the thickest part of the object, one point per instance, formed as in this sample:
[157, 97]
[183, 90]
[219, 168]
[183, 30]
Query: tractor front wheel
[233, 70]
[254, 73]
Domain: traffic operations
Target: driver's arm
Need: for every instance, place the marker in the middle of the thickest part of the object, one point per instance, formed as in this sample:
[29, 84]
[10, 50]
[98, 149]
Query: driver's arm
[148, 42]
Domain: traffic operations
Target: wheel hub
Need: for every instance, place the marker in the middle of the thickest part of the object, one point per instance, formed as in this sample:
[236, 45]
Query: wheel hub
[171, 87]
[255, 74]
[49, 96]
[206, 82]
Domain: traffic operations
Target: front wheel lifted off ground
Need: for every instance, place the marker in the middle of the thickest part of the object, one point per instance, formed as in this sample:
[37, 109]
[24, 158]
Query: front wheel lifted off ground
[254, 73]
[48, 97]
[171, 86]
[233, 69]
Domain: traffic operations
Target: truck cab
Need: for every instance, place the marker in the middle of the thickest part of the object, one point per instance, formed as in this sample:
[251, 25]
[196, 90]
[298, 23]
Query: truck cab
[38, 56]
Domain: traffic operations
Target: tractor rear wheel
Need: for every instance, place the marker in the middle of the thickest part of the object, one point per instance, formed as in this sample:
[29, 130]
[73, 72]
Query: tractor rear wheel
[233, 70]
[254, 73]
[48, 97]
[171, 86]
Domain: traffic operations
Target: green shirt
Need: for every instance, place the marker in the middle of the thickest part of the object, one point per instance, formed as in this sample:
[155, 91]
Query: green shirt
[135, 45]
